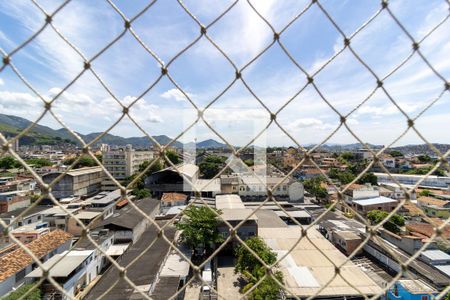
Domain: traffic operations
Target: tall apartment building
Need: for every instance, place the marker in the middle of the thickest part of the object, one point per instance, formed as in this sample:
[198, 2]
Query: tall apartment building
[122, 163]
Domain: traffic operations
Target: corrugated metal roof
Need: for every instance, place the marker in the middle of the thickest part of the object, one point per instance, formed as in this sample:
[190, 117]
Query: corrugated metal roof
[374, 201]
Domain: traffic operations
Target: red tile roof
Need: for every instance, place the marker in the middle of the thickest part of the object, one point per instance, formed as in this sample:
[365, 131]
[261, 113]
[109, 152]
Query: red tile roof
[172, 197]
[18, 259]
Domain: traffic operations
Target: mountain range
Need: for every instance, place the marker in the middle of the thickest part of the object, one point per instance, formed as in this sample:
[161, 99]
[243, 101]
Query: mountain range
[44, 135]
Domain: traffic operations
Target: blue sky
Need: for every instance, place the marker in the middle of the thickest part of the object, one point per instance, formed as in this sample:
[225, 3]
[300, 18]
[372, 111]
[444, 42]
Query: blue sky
[203, 73]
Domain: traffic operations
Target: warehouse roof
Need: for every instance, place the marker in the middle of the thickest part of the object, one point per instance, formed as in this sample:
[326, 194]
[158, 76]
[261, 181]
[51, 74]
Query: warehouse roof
[229, 201]
[375, 201]
[306, 269]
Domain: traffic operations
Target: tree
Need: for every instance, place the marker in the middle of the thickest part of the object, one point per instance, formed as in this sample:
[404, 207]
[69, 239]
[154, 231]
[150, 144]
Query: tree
[252, 270]
[17, 294]
[393, 224]
[8, 162]
[347, 155]
[39, 162]
[396, 153]
[314, 187]
[424, 159]
[85, 161]
[173, 157]
[199, 227]
[141, 193]
[344, 177]
[211, 165]
[368, 177]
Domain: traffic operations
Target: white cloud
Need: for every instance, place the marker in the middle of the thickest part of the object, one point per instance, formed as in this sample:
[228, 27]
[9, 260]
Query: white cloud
[2, 82]
[236, 114]
[309, 123]
[176, 95]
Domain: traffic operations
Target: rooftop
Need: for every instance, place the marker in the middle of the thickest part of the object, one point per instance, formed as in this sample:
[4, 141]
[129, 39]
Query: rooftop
[434, 255]
[375, 201]
[129, 217]
[87, 215]
[416, 286]
[61, 265]
[30, 211]
[142, 266]
[173, 197]
[432, 201]
[229, 201]
[105, 197]
[269, 219]
[18, 259]
[306, 269]
[237, 214]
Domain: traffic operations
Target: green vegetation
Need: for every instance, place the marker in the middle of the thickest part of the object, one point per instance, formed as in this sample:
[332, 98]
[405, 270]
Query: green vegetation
[173, 157]
[423, 171]
[393, 224]
[9, 162]
[39, 162]
[252, 270]
[314, 187]
[85, 161]
[424, 159]
[199, 227]
[17, 294]
[138, 188]
[344, 177]
[425, 193]
[368, 177]
[249, 162]
[395, 153]
[211, 165]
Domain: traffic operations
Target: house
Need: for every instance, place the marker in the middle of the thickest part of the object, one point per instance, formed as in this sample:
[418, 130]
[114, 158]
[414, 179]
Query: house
[252, 188]
[361, 191]
[104, 239]
[128, 224]
[434, 207]
[30, 232]
[379, 203]
[13, 200]
[15, 265]
[57, 216]
[347, 241]
[72, 270]
[104, 202]
[173, 199]
[82, 182]
[30, 215]
[85, 217]
[411, 289]
[396, 191]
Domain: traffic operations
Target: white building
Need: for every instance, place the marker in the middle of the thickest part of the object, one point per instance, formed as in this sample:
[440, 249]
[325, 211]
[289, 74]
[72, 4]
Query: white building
[432, 181]
[122, 163]
[73, 270]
